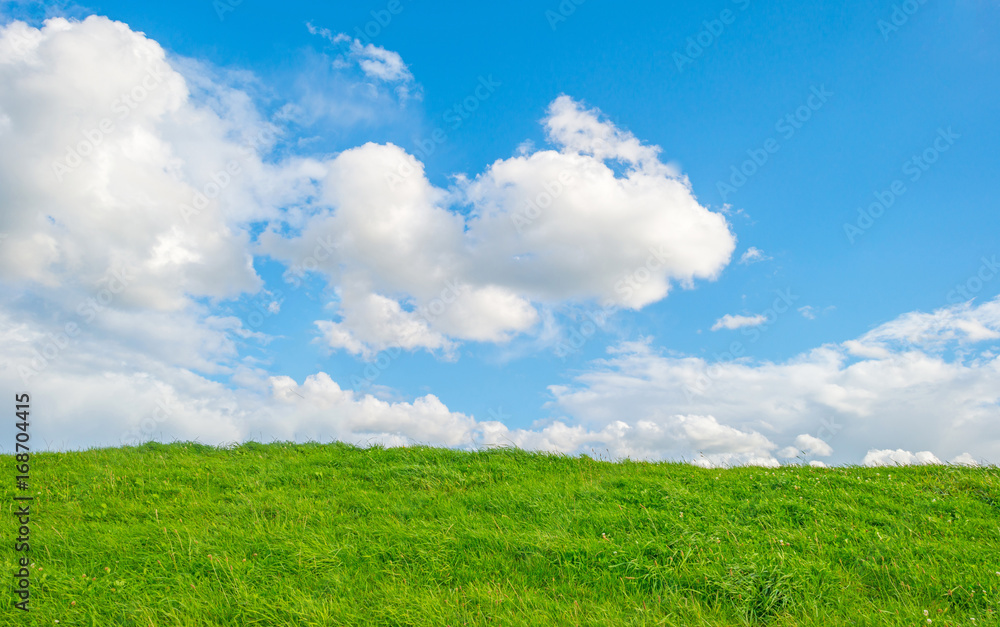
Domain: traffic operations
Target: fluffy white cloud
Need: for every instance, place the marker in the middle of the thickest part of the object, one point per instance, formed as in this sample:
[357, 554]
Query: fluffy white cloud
[545, 227]
[111, 162]
[398, 256]
[808, 444]
[898, 457]
[698, 439]
[964, 460]
[919, 382]
[372, 320]
[561, 224]
[127, 191]
[110, 395]
[730, 321]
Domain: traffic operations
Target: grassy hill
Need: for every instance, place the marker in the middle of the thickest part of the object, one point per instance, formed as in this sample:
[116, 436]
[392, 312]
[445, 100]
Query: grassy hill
[286, 534]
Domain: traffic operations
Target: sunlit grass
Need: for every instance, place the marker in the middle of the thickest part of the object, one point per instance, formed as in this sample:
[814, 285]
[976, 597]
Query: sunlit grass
[286, 534]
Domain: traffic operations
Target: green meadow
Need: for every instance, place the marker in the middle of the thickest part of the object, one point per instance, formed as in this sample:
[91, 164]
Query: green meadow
[284, 534]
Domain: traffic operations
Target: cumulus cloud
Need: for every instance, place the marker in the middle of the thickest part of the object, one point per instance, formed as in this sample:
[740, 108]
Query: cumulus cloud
[111, 162]
[372, 320]
[919, 382]
[964, 460]
[809, 445]
[545, 227]
[127, 190]
[899, 457]
[94, 398]
[731, 322]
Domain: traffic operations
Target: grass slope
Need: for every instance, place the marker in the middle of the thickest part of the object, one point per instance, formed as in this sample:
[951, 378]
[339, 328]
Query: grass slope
[285, 534]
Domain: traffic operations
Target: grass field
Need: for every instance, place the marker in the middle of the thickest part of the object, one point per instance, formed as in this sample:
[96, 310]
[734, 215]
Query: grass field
[285, 534]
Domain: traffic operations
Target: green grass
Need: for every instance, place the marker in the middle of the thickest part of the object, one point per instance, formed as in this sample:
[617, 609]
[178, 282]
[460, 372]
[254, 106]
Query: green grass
[285, 534]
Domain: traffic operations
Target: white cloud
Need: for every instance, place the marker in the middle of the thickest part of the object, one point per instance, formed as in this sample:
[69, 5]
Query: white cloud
[373, 322]
[808, 312]
[581, 131]
[808, 444]
[914, 396]
[375, 61]
[388, 232]
[563, 225]
[731, 322]
[899, 457]
[964, 460]
[962, 324]
[115, 396]
[107, 148]
[127, 190]
[753, 255]
[380, 63]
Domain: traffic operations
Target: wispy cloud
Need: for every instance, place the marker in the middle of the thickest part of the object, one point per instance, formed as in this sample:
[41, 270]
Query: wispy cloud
[375, 61]
[753, 255]
[731, 322]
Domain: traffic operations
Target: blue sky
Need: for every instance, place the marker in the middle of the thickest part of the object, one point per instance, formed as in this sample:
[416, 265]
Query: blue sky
[841, 106]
